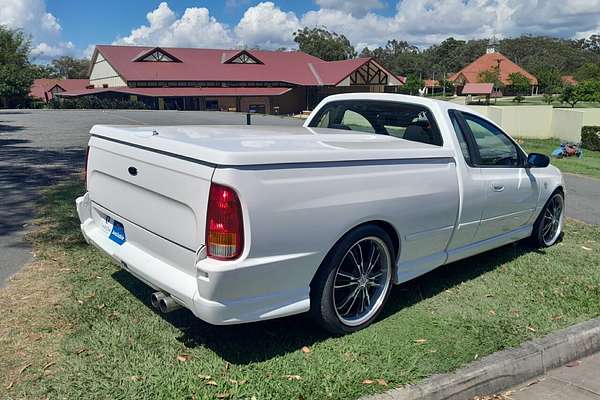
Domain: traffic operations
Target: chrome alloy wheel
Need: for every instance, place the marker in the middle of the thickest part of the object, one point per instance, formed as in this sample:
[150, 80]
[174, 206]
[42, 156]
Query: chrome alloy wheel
[553, 220]
[361, 281]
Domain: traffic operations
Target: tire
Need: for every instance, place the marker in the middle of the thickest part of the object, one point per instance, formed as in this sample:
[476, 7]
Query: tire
[547, 229]
[345, 296]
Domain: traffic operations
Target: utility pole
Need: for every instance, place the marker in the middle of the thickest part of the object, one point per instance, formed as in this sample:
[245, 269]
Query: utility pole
[444, 86]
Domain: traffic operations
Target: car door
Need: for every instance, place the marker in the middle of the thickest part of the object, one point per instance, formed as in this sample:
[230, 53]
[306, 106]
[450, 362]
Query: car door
[511, 191]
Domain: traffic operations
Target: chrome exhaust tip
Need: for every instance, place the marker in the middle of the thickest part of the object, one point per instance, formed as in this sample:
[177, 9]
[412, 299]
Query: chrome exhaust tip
[167, 304]
[155, 299]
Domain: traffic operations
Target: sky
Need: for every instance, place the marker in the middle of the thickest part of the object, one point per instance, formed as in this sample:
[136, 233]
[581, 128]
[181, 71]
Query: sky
[73, 27]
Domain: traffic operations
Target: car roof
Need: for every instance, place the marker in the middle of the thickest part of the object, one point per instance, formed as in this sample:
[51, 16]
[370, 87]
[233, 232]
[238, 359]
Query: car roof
[404, 98]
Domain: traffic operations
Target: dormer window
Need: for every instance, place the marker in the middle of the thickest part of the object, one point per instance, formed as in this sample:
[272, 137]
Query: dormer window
[156, 55]
[243, 57]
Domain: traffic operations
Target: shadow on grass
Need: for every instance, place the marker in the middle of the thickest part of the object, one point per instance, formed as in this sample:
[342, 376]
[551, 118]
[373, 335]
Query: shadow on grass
[261, 341]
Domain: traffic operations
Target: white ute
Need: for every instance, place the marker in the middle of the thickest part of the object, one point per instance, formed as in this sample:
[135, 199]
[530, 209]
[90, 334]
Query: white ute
[247, 223]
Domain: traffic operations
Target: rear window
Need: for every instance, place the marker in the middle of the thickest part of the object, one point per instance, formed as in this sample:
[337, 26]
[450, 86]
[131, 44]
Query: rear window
[405, 121]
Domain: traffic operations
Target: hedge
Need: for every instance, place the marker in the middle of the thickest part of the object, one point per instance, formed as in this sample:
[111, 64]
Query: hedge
[590, 137]
[93, 102]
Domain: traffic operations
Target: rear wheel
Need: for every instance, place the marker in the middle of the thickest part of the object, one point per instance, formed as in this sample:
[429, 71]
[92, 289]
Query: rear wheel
[354, 281]
[548, 227]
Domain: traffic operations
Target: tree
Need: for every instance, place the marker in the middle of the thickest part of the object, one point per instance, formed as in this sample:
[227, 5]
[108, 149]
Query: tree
[549, 79]
[44, 71]
[412, 85]
[570, 95]
[491, 76]
[587, 71]
[520, 85]
[16, 75]
[583, 91]
[592, 44]
[548, 98]
[71, 68]
[328, 46]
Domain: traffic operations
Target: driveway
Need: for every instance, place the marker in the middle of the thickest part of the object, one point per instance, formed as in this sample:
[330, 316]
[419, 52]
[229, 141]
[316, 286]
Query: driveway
[583, 198]
[40, 147]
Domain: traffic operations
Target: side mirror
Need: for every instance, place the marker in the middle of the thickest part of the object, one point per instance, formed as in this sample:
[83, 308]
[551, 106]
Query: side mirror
[537, 160]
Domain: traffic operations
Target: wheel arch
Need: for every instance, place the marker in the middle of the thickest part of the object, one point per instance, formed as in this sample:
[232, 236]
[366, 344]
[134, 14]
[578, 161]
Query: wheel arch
[386, 226]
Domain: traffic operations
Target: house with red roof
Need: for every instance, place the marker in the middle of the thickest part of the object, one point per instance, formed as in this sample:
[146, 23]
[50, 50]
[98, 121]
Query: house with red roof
[45, 89]
[273, 82]
[491, 61]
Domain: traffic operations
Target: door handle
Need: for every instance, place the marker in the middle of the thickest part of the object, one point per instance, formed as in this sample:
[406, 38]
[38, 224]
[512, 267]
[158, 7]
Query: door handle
[497, 187]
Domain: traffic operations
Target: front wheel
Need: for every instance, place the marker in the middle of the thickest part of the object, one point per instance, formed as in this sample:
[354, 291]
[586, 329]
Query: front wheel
[354, 281]
[548, 227]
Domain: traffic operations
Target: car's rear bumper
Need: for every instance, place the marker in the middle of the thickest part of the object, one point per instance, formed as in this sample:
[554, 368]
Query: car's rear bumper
[216, 292]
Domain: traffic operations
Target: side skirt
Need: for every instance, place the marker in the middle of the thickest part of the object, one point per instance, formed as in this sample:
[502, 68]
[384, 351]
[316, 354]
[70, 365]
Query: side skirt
[409, 270]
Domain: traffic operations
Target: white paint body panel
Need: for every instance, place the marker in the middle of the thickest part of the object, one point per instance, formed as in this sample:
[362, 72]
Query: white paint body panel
[301, 190]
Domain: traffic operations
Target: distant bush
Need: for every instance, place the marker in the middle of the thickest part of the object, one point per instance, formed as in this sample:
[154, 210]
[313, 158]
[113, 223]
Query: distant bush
[590, 137]
[94, 102]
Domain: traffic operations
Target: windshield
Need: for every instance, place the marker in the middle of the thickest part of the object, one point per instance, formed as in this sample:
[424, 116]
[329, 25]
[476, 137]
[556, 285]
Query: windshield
[405, 121]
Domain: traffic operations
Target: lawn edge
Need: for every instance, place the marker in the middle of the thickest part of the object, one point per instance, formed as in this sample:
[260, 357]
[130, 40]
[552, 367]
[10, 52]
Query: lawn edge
[504, 369]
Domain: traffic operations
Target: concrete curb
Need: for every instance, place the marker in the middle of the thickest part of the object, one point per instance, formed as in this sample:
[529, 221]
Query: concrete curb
[506, 368]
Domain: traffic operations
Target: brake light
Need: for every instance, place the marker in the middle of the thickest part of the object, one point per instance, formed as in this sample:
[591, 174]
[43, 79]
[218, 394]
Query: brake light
[224, 226]
[85, 165]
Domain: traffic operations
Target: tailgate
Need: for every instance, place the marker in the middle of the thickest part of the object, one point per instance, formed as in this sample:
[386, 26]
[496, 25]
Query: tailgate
[161, 193]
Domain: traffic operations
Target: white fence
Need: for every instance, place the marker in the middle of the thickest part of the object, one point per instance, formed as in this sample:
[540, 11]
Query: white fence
[542, 122]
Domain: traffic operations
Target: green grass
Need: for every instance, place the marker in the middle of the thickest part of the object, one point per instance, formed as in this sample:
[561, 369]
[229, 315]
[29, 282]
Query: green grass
[116, 346]
[588, 165]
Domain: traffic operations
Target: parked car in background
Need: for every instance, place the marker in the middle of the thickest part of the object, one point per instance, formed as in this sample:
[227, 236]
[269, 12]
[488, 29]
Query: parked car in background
[248, 223]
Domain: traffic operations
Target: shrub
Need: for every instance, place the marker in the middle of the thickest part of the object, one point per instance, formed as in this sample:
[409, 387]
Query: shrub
[548, 98]
[590, 137]
[94, 102]
[518, 99]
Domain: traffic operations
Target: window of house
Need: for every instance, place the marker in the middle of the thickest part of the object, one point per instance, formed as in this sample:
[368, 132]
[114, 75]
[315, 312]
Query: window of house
[157, 56]
[243, 58]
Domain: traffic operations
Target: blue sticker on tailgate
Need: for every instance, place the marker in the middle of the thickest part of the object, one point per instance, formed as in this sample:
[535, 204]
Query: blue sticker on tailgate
[117, 234]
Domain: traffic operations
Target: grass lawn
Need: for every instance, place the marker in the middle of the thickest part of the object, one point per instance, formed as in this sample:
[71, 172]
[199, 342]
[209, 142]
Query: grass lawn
[588, 165]
[79, 327]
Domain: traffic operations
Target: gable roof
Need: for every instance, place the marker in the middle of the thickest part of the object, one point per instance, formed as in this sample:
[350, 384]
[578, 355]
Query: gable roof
[240, 53]
[294, 67]
[41, 88]
[145, 53]
[478, 88]
[488, 61]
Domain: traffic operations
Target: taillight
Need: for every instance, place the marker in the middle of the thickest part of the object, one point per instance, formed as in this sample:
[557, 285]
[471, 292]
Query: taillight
[85, 165]
[224, 226]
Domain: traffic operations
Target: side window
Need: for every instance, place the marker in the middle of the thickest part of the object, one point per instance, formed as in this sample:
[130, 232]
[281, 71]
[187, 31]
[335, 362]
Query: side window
[495, 148]
[462, 140]
[324, 120]
[356, 122]
[403, 121]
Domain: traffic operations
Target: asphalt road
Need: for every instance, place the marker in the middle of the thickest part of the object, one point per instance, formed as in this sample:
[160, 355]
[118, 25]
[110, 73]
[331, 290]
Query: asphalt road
[40, 147]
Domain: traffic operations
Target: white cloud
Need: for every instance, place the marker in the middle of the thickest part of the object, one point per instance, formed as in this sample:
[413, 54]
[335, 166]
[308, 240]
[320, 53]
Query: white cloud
[354, 7]
[29, 15]
[47, 51]
[44, 28]
[266, 25]
[420, 22]
[196, 28]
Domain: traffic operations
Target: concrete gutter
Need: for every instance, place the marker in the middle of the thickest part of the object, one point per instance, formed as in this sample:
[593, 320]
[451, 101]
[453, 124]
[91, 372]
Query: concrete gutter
[506, 368]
